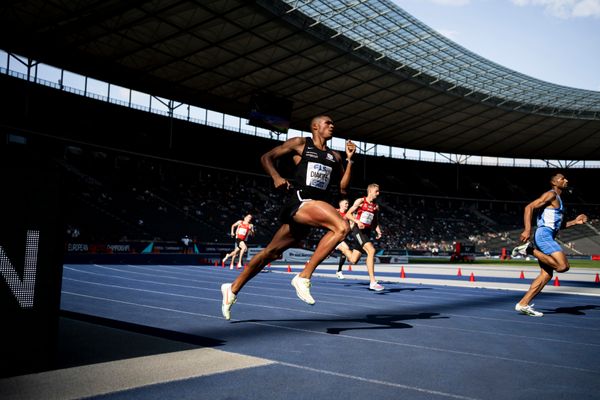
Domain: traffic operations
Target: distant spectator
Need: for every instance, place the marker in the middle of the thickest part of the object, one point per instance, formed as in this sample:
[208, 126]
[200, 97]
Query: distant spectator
[187, 242]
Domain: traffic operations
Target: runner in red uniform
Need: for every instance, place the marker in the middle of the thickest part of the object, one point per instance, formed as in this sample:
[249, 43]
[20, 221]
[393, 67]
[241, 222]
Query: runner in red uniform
[365, 220]
[244, 230]
[349, 254]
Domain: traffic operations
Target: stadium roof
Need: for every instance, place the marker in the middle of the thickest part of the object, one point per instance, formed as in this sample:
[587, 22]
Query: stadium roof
[383, 76]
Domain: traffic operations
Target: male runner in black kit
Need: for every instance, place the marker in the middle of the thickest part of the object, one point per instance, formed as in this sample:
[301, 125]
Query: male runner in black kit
[308, 206]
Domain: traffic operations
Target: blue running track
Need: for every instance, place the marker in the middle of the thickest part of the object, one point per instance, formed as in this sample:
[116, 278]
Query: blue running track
[410, 341]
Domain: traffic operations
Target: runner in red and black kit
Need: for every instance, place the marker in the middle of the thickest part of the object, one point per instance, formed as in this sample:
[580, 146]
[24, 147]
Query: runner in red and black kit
[348, 253]
[317, 167]
[244, 229]
[365, 221]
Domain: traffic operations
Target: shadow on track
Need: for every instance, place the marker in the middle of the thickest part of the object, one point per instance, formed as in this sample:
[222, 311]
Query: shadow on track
[381, 321]
[577, 310]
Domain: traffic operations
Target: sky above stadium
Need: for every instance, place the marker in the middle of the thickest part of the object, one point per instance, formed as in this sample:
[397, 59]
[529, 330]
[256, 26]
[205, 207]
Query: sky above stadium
[557, 41]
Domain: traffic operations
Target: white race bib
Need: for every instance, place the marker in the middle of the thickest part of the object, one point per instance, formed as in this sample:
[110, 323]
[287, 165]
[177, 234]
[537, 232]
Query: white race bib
[242, 231]
[366, 217]
[318, 175]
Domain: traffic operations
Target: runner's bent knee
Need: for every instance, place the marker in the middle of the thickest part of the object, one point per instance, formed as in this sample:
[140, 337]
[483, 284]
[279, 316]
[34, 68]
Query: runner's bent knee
[563, 268]
[344, 229]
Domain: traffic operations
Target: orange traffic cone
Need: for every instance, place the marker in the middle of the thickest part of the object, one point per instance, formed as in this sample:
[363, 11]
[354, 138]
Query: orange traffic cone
[402, 274]
[597, 278]
[459, 273]
[289, 268]
[472, 278]
[522, 275]
[350, 269]
[216, 263]
[556, 281]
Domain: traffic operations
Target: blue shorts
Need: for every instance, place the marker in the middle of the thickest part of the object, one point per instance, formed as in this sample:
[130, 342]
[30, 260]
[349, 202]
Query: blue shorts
[544, 241]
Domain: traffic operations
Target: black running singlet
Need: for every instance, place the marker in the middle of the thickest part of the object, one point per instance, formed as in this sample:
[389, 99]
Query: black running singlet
[316, 171]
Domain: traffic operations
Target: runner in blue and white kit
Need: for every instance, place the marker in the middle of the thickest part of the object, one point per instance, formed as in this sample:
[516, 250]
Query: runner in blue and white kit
[548, 225]
[548, 252]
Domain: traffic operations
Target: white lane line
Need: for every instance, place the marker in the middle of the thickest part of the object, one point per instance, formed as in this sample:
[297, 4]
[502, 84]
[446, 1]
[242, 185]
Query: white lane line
[377, 382]
[525, 321]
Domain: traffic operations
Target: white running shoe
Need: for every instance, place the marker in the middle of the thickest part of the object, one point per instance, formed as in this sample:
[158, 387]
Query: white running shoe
[376, 286]
[526, 249]
[528, 310]
[302, 286]
[339, 275]
[228, 299]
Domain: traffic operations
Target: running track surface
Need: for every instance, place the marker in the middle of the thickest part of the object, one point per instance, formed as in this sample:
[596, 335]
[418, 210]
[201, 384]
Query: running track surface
[411, 341]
